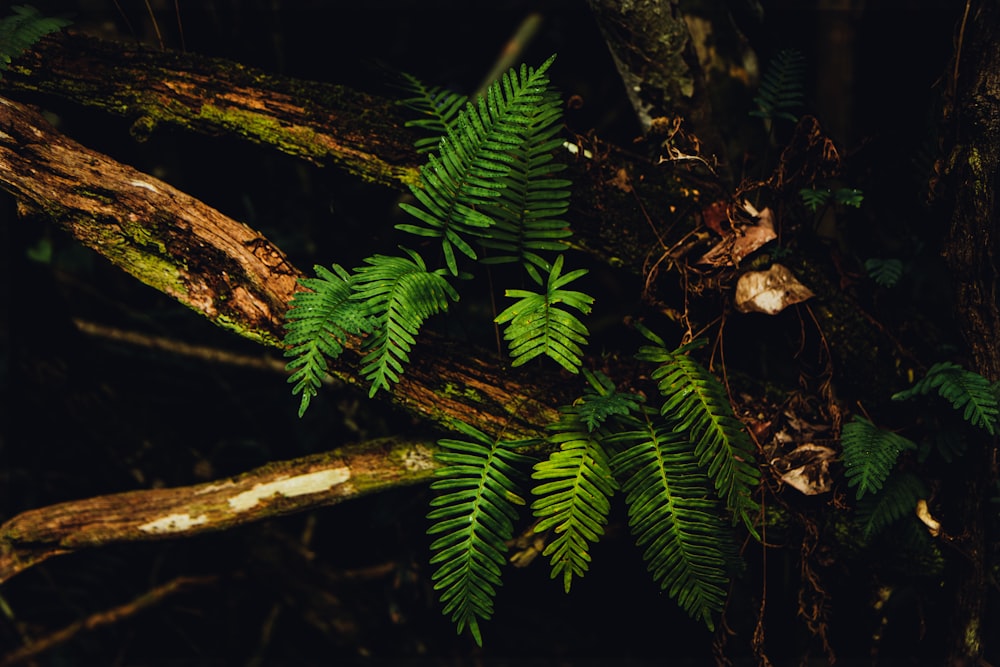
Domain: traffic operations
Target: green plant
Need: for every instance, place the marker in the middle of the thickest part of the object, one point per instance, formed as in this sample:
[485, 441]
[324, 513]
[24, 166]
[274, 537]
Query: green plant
[870, 454]
[20, 30]
[491, 182]
[781, 87]
[490, 193]
[968, 392]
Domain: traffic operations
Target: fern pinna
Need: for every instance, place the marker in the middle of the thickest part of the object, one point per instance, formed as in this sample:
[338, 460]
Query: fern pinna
[473, 159]
[19, 31]
[870, 454]
[968, 392]
[673, 515]
[696, 403]
[474, 518]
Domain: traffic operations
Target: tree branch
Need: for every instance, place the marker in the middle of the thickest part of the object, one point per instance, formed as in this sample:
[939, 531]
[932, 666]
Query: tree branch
[270, 491]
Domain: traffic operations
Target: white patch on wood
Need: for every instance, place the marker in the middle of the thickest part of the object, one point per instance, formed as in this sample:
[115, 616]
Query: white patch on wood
[145, 185]
[418, 458]
[173, 523]
[215, 487]
[300, 485]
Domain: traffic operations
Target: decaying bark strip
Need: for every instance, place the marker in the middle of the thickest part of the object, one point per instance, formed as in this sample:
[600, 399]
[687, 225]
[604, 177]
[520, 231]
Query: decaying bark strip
[273, 490]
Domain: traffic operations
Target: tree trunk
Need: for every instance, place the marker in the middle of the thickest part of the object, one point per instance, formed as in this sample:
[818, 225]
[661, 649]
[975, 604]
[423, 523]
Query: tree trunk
[972, 251]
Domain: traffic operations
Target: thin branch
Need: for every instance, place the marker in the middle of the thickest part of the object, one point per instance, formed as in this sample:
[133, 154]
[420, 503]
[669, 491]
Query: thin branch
[276, 489]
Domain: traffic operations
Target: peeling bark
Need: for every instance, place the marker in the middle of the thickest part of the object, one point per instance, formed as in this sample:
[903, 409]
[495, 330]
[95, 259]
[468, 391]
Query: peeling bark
[273, 490]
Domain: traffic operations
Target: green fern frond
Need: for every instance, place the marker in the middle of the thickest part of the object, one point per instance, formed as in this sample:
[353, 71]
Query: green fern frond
[438, 110]
[968, 392]
[885, 272]
[870, 454]
[536, 325]
[527, 215]
[472, 161]
[815, 199]
[22, 29]
[574, 498]
[318, 324]
[399, 294]
[695, 402]
[474, 518]
[672, 513]
[602, 399]
[848, 197]
[781, 87]
[898, 498]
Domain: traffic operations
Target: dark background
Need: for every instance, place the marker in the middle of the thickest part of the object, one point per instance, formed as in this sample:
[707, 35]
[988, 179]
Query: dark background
[350, 584]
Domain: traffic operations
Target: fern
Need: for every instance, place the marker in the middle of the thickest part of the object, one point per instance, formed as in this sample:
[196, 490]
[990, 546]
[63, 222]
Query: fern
[398, 294]
[474, 158]
[536, 325]
[869, 454]
[781, 87]
[695, 402]
[672, 513]
[474, 518]
[602, 400]
[527, 214]
[319, 322]
[23, 28]
[968, 392]
[438, 107]
[814, 199]
[885, 272]
[573, 499]
[898, 498]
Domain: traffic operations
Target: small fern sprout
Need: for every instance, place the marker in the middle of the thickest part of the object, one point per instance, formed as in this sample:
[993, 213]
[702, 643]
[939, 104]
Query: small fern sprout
[537, 325]
[870, 454]
[602, 400]
[781, 87]
[474, 519]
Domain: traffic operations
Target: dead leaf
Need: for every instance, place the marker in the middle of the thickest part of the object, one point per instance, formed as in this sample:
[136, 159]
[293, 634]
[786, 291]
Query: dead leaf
[769, 291]
[806, 468]
[742, 241]
[924, 514]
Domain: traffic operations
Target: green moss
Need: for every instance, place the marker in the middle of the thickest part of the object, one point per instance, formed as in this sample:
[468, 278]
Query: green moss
[451, 390]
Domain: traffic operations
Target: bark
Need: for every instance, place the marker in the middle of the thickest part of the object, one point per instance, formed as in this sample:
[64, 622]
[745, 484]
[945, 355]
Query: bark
[328, 125]
[234, 276]
[972, 252]
[273, 490]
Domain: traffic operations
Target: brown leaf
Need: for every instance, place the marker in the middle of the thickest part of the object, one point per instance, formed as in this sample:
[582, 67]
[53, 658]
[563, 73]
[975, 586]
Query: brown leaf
[769, 291]
[806, 468]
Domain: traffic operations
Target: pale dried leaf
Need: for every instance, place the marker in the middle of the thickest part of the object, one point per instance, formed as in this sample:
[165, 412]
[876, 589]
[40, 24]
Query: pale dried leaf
[769, 291]
[806, 468]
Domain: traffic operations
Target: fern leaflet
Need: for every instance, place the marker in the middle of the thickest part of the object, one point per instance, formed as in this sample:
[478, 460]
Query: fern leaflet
[319, 322]
[966, 391]
[885, 272]
[573, 499]
[438, 107]
[898, 498]
[472, 161]
[22, 29]
[869, 454]
[781, 87]
[536, 325]
[695, 402]
[602, 400]
[672, 514]
[399, 294]
[474, 518]
[527, 214]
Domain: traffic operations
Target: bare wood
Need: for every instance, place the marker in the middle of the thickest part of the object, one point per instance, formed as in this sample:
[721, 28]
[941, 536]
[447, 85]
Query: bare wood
[276, 489]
